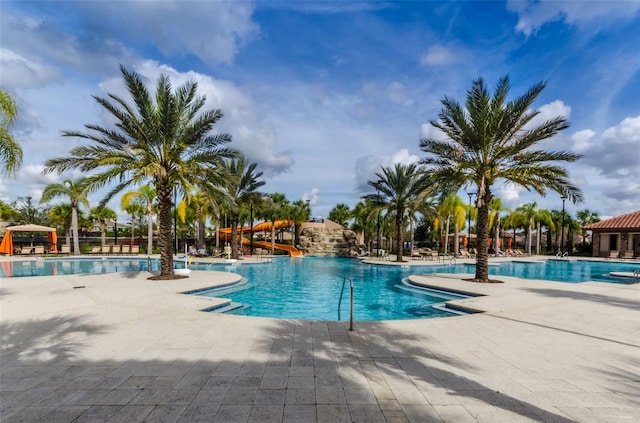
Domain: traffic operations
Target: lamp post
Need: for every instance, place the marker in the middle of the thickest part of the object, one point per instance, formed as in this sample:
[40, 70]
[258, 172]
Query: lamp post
[470, 194]
[251, 228]
[562, 227]
[175, 220]
[378, 226]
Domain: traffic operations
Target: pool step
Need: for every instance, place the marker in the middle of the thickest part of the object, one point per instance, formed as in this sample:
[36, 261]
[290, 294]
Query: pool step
[231, 306]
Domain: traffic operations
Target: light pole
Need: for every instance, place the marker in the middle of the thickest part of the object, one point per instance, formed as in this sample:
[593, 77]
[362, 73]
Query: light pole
[251, 228]
[470, 194]
[562, 228]
[378, 226]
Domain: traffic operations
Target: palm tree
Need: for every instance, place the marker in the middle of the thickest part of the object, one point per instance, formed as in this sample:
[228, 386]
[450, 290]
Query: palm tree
[398, 186]
[60, 215]
[451, 208]
[529, 213]
[76, 191]
[586, 217]
[103, 215]
[7, 212]
[496, 210]
[340, 214]
[364, 221]
[274, 208]
[241, 185]
[147, 194]
[490, 140]
[10, 150]
[164, 140]
[300, 212]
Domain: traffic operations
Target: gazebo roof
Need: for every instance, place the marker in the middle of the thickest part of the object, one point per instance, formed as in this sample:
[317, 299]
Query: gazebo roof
[625, 221]
[30, 228]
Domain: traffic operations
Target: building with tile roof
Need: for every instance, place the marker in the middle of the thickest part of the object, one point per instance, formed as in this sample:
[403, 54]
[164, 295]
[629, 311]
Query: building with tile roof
[617, 237]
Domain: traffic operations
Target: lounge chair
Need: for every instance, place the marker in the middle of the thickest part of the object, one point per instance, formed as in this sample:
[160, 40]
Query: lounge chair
[94, 250]
[106, 249]
[125, 249]
[26, 251]
[628, 255]
[115, 249]
[135, 249]
[38, 250]
[613, 254]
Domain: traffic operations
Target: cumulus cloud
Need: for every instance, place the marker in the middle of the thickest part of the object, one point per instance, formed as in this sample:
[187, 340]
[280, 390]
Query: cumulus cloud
[18, 71]
[533, 14]
[510, 195]
[439, 55]
[367, 166]
[312, 196]
[252, 133]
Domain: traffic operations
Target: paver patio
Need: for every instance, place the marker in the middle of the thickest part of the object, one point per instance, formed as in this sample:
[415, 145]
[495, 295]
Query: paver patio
[121, 348]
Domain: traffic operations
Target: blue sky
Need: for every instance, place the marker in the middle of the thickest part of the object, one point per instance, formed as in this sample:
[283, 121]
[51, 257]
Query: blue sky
[321, 94]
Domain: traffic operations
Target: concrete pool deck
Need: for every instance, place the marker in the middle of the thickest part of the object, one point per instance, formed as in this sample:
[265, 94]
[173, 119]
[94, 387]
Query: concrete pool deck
[121, 348]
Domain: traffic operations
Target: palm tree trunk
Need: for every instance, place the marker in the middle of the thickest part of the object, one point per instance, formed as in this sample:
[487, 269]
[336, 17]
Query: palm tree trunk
[74, 229]
[103, 238]
[538, 233]
[497, 236]
[482, 260]
[456, 240]
[529, 237]
[446, 236]
[150, 232]
[234, 235]
[399, 227]
[164, 229]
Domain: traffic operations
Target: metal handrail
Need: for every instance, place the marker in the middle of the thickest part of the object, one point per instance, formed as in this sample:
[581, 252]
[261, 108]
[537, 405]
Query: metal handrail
[636, 275]
[148, 263]
[347, 278]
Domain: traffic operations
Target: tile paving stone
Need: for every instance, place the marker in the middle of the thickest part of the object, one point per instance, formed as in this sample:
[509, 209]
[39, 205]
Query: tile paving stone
[333, 413]
[131, 414]
[366, 413]
[299, 413]
[301, 382]
[266, 413]
[232, 414]
[218, 382]
[246, 382]
[330, 395]
[150, 396]
[199, 413]
[179, 396]
[359, 396]
[210, 396]
[165, 414]
[453, 413]
[300, 396]
[270, 396]
[97, 414]
[274, 382]
[118, 397]
[421, 413]
[65, 414]
[240, 396]
[28, 414]
[88, 397]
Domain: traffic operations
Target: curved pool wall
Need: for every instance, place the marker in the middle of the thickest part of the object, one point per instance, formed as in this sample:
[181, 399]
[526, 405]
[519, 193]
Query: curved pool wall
[310, 289]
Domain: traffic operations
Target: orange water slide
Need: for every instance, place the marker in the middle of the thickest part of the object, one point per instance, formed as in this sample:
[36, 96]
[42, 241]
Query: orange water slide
[293, 251]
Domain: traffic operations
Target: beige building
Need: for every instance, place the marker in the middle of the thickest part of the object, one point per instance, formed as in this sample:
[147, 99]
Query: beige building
[617, 237]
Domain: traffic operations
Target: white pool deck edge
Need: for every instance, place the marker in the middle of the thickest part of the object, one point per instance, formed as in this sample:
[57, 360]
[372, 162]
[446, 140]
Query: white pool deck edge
[121, 348]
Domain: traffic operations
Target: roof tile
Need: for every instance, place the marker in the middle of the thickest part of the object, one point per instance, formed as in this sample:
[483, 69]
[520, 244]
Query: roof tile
[625, 221]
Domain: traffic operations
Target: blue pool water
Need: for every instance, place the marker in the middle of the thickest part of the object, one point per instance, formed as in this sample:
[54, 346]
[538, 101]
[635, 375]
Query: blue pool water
[309, 288]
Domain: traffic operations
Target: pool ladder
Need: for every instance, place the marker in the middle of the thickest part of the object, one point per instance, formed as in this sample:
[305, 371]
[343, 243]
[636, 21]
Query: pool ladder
[347, 278]
[636, 275]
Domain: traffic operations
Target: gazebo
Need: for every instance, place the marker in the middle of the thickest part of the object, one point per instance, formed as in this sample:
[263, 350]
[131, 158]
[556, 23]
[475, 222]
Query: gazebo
[6, 246]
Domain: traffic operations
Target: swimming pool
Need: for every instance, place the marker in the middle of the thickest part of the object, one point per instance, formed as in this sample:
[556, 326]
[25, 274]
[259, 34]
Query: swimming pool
[74, 266]
[310, 287]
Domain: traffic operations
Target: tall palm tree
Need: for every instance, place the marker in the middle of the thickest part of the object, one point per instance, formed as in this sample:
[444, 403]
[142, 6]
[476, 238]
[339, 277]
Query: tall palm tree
[147, 194]
[364, 221]
[242, 183]
[10, 150]
[529, 213]
[543, 217]
[494, 221]
[586, 217]
[60, 215]
[7, 212]
[451, 209]
[76, 192]
[103, 215]
[300, 212]
[490, 140]
[164, 140]
[340, 213]
[398, 187]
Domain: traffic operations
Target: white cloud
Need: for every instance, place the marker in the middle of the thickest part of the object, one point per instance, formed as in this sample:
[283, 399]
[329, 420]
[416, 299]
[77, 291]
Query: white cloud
[367, 166]
[312, 196]
[252, 133]
[510, 195]
[18, 71]
[532, 15]
[439, 55]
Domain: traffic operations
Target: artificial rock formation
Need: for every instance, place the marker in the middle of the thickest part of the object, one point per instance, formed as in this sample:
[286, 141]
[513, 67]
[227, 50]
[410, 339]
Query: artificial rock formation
[327, 239]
